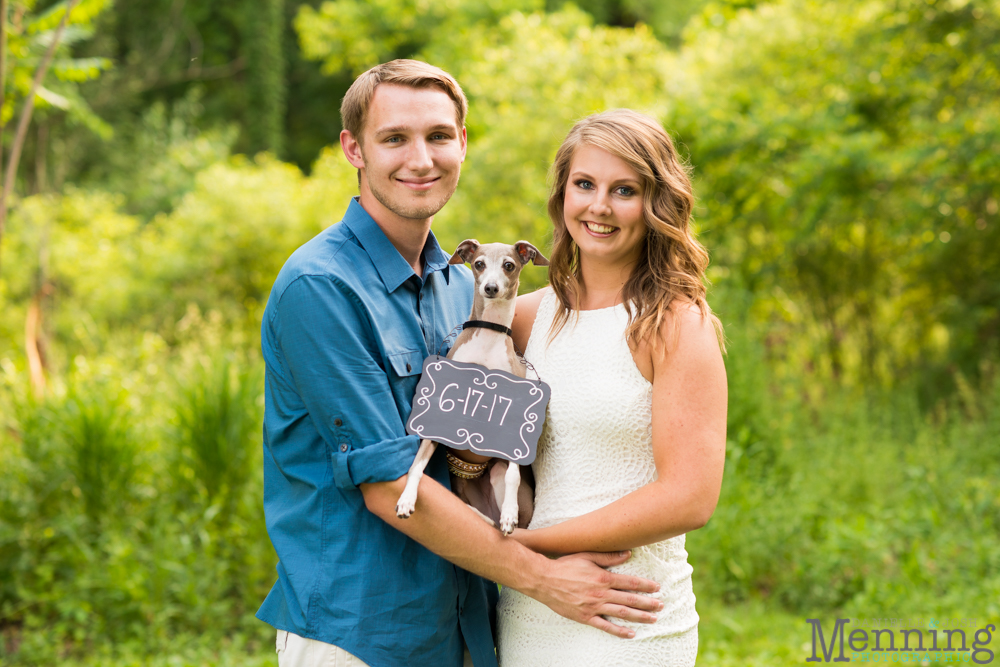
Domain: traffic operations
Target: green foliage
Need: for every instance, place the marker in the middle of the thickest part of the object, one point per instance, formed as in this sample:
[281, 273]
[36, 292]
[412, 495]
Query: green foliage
[101, 448]
[29, 38]
[866, 507]
[173, 151]
[842, 155]
[217, 424]
[353, 35]
[877, 178]
[559, 62]
[103, 542]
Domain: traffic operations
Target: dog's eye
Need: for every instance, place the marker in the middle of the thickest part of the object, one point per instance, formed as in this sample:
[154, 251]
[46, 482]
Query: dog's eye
[480, 265]
[508, 266]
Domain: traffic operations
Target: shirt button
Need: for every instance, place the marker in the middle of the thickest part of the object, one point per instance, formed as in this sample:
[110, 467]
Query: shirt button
[338, 422]
[408, 368]
[343, 446]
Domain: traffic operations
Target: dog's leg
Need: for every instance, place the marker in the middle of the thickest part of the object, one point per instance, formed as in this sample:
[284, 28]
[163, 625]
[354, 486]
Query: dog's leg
[408, 499]
[508, 508]
[482, 516]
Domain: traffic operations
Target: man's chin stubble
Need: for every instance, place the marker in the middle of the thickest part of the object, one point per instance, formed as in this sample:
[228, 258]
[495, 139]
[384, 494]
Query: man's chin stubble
[414, 212]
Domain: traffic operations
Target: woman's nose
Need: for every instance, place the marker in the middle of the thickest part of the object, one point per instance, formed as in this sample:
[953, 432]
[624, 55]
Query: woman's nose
[599, 205]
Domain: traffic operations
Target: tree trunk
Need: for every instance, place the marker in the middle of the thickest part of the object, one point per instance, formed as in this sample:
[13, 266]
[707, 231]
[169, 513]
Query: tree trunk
[265, 75]
[34, 345]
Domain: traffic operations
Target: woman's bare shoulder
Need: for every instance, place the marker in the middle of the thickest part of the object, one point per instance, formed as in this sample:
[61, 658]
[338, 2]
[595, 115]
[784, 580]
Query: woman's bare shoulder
[524, 315]
[689, 333]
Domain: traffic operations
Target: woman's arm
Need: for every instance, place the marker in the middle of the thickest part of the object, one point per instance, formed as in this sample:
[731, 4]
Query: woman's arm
[689, 448]
[525, 311]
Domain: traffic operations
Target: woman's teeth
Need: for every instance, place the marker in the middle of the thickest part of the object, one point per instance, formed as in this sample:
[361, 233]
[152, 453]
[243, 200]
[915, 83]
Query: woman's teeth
[599, 229]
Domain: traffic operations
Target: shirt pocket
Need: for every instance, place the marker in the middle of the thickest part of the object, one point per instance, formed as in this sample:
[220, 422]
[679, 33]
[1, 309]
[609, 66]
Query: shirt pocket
[406, 363]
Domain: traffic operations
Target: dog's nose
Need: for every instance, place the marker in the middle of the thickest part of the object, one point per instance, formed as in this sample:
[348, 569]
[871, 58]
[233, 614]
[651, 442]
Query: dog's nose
[491, 289]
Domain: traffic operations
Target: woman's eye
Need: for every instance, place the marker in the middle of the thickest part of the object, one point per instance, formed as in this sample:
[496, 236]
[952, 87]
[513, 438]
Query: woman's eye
[585, 185]
[625, 191]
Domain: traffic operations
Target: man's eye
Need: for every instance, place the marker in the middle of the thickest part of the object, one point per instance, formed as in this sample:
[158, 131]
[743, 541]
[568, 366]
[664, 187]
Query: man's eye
[508, 266]
[393, 140]
[480, 265]
[439, 137]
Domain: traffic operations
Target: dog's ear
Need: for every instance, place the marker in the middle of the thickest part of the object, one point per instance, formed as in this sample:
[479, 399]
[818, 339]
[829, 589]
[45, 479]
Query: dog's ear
[529, 253]
[464, 252]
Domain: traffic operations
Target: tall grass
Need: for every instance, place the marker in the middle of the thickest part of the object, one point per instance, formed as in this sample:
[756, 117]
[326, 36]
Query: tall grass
[858, 502]
[126, 525]
[101, 449]
[131, 519]
[218, 425]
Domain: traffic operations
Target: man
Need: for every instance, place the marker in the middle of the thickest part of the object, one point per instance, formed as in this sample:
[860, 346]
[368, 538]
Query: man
[350, 319]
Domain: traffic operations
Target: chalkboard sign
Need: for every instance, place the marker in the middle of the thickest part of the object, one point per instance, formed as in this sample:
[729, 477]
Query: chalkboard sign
[468, 406]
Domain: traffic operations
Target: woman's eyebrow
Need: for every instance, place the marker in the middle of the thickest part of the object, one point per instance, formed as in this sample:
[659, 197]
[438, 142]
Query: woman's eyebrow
[631, 180]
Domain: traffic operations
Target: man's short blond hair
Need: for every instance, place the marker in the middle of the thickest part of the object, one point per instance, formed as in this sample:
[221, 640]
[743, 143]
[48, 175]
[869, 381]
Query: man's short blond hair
[412, 73]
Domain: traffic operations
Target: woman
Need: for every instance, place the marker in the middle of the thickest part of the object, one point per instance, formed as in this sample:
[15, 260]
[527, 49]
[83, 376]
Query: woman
[632, 452]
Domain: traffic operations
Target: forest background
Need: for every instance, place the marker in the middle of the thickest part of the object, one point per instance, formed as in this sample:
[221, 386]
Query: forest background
[846, 165]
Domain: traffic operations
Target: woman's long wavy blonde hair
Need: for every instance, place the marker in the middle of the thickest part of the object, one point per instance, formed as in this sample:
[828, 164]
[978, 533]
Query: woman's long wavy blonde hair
[672, 264]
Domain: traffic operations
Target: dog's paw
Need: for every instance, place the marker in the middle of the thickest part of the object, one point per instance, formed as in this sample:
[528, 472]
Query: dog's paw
[508, 524]
[404, 508]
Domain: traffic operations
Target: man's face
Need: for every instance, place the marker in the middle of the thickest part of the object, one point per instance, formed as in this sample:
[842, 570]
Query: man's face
[413, 151]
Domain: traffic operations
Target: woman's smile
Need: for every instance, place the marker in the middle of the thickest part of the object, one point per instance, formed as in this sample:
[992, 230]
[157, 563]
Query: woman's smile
[599, 230]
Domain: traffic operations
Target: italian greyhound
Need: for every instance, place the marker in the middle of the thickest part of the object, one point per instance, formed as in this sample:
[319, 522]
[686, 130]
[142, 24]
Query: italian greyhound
[499, 493]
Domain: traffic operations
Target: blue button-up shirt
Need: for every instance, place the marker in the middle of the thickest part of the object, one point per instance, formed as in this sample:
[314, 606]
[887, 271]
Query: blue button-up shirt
[345, 332]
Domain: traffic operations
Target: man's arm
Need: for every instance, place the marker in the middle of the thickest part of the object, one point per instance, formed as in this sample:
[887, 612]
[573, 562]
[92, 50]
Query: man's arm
[576, 587]
[322, 331]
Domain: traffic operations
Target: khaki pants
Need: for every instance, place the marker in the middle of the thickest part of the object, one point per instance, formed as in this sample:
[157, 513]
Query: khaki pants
[295, 651]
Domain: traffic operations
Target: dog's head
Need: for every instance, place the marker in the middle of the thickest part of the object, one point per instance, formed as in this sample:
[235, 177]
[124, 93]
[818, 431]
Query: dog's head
[497, 266]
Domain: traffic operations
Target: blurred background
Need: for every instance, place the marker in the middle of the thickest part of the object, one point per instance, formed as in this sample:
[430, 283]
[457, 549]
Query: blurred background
[163, 158]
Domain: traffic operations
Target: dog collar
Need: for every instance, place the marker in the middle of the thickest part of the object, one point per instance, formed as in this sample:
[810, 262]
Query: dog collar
[483, 324]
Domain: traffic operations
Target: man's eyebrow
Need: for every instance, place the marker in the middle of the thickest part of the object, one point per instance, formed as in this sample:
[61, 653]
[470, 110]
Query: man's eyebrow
[403, 129]
[392, 130]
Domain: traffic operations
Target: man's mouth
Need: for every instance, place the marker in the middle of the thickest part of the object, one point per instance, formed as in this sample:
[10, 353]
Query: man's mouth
[419, 183]
[598, 229]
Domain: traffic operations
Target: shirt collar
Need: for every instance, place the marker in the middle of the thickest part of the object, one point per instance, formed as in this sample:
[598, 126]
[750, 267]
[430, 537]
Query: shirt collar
[390, 265]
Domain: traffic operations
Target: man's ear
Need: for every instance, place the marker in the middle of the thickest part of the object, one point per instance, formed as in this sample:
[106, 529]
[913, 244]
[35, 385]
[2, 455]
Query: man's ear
[464, 252]
[352, 149]
[529, 253]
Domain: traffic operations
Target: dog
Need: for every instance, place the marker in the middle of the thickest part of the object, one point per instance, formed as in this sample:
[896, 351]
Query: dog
[498, 495]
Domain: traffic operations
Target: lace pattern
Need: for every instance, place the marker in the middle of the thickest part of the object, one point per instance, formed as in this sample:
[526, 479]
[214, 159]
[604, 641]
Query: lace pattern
[595, 447]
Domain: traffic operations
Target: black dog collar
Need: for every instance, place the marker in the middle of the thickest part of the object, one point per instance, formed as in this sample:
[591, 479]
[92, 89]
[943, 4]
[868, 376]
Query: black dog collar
[482, 324]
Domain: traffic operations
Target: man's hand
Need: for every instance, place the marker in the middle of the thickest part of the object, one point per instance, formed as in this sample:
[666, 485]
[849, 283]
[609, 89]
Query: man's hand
[579, 588]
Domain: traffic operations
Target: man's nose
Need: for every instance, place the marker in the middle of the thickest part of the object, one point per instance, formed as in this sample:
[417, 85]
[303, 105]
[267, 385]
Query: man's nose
[419, 158]
[491, 289]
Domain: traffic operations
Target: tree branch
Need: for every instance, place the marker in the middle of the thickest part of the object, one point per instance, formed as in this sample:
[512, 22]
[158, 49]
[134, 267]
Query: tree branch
[25, 120]
[3, 88]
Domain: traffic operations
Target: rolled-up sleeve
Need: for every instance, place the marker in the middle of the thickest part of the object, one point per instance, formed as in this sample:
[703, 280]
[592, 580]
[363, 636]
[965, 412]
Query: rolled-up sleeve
[329, 350]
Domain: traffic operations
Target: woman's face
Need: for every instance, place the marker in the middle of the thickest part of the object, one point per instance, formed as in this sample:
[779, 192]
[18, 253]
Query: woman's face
[603, 207]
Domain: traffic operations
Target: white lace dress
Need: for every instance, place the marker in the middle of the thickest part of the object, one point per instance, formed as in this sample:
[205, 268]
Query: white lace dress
[596, 447]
